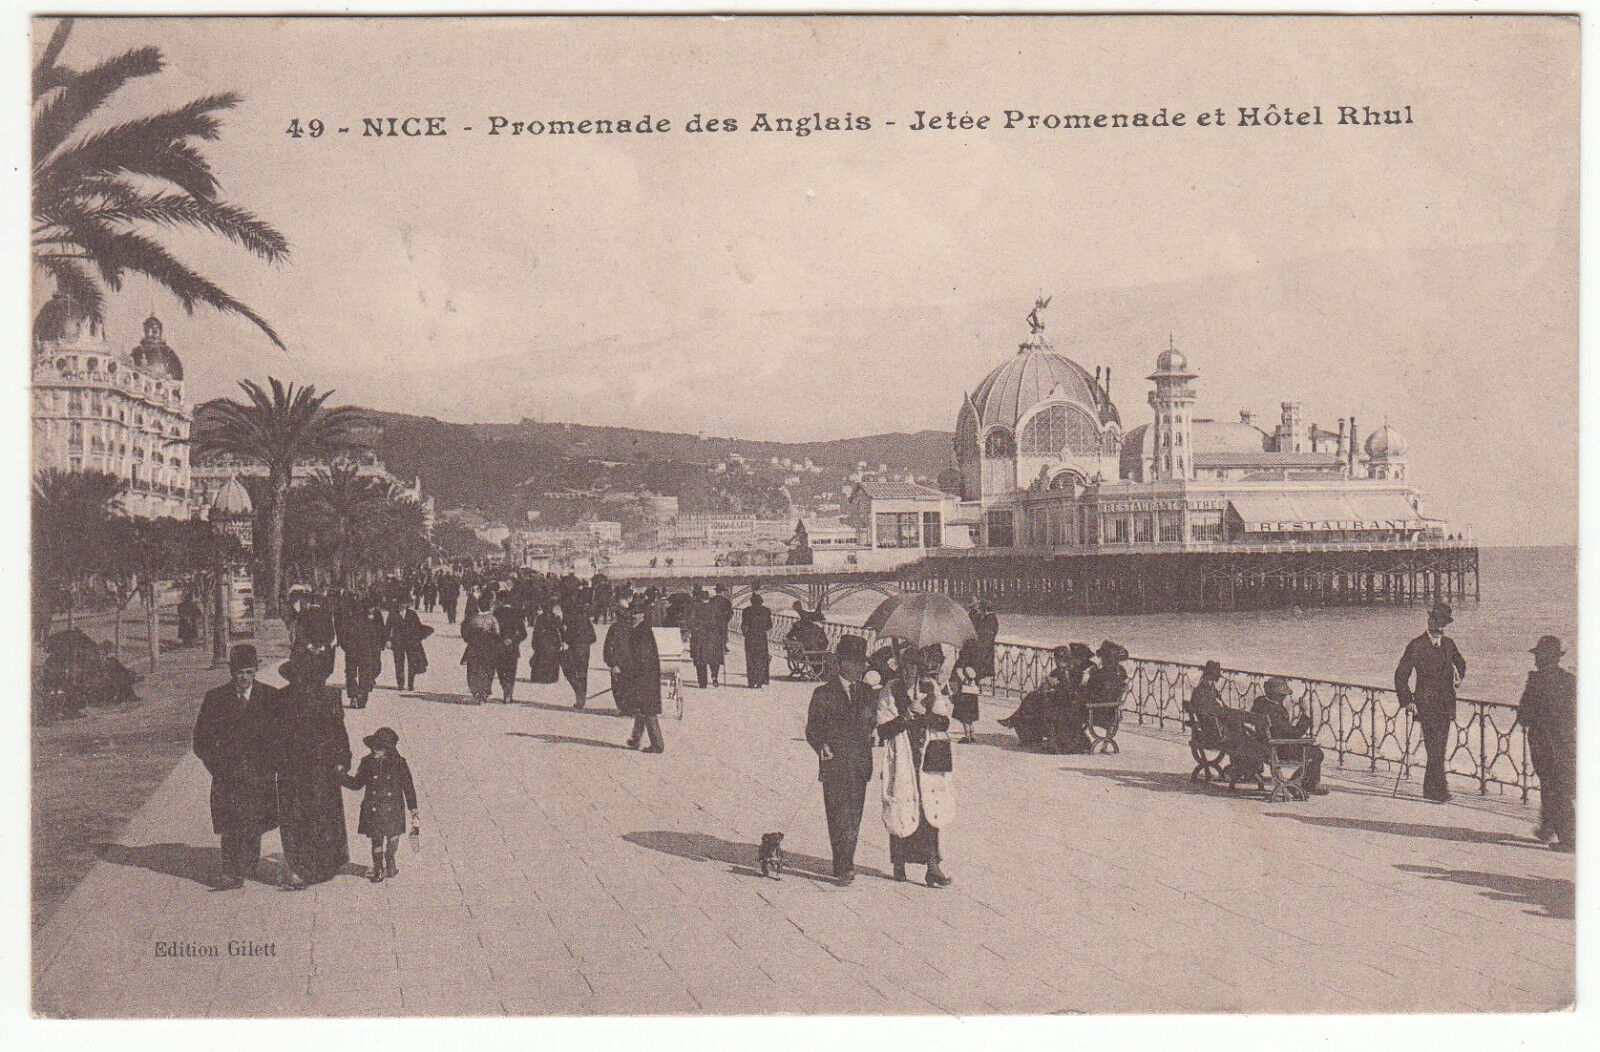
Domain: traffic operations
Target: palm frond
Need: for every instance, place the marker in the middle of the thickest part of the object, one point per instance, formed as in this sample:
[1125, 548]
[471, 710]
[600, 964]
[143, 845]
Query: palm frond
[85, 92]
[122, 204]
[73, 281]
[47, 75]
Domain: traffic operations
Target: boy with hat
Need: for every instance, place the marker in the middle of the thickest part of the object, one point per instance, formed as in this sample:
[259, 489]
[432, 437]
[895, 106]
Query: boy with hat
[1438, 667]
[386, 777]
[1548, 713]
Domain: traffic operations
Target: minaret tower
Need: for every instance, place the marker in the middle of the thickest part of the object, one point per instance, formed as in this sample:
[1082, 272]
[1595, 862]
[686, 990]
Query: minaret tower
[1173, 402]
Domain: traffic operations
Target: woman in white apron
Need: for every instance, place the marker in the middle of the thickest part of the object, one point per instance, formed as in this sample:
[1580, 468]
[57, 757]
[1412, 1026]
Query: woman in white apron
[918, 790]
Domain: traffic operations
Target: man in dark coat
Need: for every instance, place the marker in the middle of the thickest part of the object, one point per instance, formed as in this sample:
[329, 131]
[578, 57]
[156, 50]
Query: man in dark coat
[315, 633]
[361, 637]
[449, 596]
[840, 724]
[231, 737]
[1271, 711]
[987, 627]
[708, 638]
[406, 633]
[754, 624]
[577, 638]
[1438, 667]
[1548, 713]
[513, 630]
[635, 664]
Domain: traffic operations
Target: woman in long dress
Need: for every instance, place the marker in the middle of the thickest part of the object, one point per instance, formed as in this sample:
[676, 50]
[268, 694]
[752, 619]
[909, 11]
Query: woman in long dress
[311, 753]
[545, 664]
[913, 721]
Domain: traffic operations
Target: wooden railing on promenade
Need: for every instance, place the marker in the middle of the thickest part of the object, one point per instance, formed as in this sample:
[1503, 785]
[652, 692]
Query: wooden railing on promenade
[1354, 723]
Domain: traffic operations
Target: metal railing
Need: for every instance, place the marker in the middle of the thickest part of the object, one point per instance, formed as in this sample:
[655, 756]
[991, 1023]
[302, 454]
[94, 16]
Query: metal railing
[1353, 723]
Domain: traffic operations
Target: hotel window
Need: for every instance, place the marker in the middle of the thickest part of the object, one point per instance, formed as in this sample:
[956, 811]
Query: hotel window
[897, 529]
[75, 436]
[1116, 529]
[75, 403]
[1171, 527]
[1205, 526]
[1143, 529]
[932, 530]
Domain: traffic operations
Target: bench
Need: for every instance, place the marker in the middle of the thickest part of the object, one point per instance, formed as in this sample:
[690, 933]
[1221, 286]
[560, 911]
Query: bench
[1104, 719]
[1206, 746]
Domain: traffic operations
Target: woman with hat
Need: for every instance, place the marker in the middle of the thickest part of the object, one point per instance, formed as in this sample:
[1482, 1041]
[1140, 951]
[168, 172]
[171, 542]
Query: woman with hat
[311, 754]
[1107, 683]
[918, 792]
[1067, 714]
[390, 793]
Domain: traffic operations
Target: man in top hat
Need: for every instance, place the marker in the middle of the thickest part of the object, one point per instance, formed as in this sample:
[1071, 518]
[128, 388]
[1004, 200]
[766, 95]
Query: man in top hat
[1548, 713]
[1437, 666]
[232, 739]
[840, 724]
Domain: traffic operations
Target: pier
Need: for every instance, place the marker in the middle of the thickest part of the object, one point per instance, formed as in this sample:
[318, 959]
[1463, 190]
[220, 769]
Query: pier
[1129, 580]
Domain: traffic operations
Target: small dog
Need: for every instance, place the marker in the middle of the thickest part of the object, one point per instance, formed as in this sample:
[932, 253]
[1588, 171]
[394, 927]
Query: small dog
[771, 861]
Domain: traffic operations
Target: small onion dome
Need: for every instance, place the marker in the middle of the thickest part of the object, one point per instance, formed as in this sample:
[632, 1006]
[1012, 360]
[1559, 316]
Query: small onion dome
[1385, 444]
[232, 501]
[1171, 361]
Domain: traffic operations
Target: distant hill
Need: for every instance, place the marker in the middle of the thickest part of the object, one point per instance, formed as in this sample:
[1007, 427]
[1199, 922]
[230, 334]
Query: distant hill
[503, 467]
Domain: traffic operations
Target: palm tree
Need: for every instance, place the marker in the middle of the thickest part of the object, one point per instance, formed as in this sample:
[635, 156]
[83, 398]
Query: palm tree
[98, 193]
[278, 427]
[348, 510]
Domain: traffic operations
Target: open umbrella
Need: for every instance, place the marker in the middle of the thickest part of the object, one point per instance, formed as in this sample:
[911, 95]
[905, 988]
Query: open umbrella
[921, 618]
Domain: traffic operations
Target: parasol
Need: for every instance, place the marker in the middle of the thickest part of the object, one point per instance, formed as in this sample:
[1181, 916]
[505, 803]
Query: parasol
[921, 618]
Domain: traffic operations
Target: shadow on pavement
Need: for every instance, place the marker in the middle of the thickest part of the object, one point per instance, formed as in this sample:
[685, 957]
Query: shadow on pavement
[1414, 829]
[565, 739]
[1172, 782]
[203, 865]
[740, 858]
[442, 699]
[1552, 896]
[587, 710]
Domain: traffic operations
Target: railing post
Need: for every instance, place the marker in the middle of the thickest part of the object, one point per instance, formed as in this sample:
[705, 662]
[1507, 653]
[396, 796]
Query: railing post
[1483, 752]
[1372, 731]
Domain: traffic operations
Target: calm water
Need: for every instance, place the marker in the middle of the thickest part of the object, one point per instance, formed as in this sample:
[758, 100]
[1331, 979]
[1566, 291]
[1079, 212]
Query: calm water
[1527, 592]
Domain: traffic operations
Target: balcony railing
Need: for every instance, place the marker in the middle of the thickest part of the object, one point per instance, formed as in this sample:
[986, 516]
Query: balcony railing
[1355, 725]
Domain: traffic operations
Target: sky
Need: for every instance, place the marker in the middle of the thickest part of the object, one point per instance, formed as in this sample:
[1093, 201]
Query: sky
[770, 286]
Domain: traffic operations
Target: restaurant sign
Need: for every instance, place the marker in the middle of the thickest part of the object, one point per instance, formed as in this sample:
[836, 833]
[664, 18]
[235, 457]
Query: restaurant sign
[1331, 526]
[1160, 504]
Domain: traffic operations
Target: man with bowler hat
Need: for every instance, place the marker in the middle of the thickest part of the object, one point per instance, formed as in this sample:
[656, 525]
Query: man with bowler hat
[1437, 665]
[1548, 713]
[231, 737]
[840, 725]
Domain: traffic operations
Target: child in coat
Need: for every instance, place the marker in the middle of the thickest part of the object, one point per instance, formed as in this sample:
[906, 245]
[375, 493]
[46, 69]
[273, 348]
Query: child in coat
[386, 777]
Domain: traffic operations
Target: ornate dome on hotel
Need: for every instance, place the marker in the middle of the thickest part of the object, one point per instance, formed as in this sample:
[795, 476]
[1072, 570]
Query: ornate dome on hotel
[1385, 442]
[152, 352]
[62, 319]
[1012, 390]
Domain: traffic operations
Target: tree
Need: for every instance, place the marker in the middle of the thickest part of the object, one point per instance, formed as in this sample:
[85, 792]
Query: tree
[344, 514]
[73, 512]
[277, 427]
[98, 194]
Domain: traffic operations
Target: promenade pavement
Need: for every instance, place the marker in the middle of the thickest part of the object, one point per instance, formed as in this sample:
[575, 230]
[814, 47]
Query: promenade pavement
[561, 873]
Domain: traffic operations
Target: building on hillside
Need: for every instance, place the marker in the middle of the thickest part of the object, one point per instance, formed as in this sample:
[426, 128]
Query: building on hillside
[119, 412]
[1044, 463]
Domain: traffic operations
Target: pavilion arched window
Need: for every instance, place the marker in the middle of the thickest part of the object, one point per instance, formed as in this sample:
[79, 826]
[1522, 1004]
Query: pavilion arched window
[999, 443]
[1058, 428]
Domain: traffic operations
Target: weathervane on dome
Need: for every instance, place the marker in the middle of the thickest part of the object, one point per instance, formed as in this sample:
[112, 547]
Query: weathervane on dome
[1034, 324]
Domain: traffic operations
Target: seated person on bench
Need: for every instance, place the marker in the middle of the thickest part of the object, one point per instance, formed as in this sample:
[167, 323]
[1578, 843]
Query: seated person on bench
[1269, 712]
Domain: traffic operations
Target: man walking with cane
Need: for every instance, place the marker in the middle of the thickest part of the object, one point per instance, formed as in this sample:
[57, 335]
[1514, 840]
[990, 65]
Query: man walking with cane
[1437, 665]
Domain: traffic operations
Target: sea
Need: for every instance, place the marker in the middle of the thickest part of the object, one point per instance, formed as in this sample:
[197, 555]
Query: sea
[1525, 593]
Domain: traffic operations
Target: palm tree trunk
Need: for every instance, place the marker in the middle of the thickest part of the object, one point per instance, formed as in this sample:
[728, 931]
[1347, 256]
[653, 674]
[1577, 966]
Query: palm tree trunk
[152, 624]
[280, 499]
